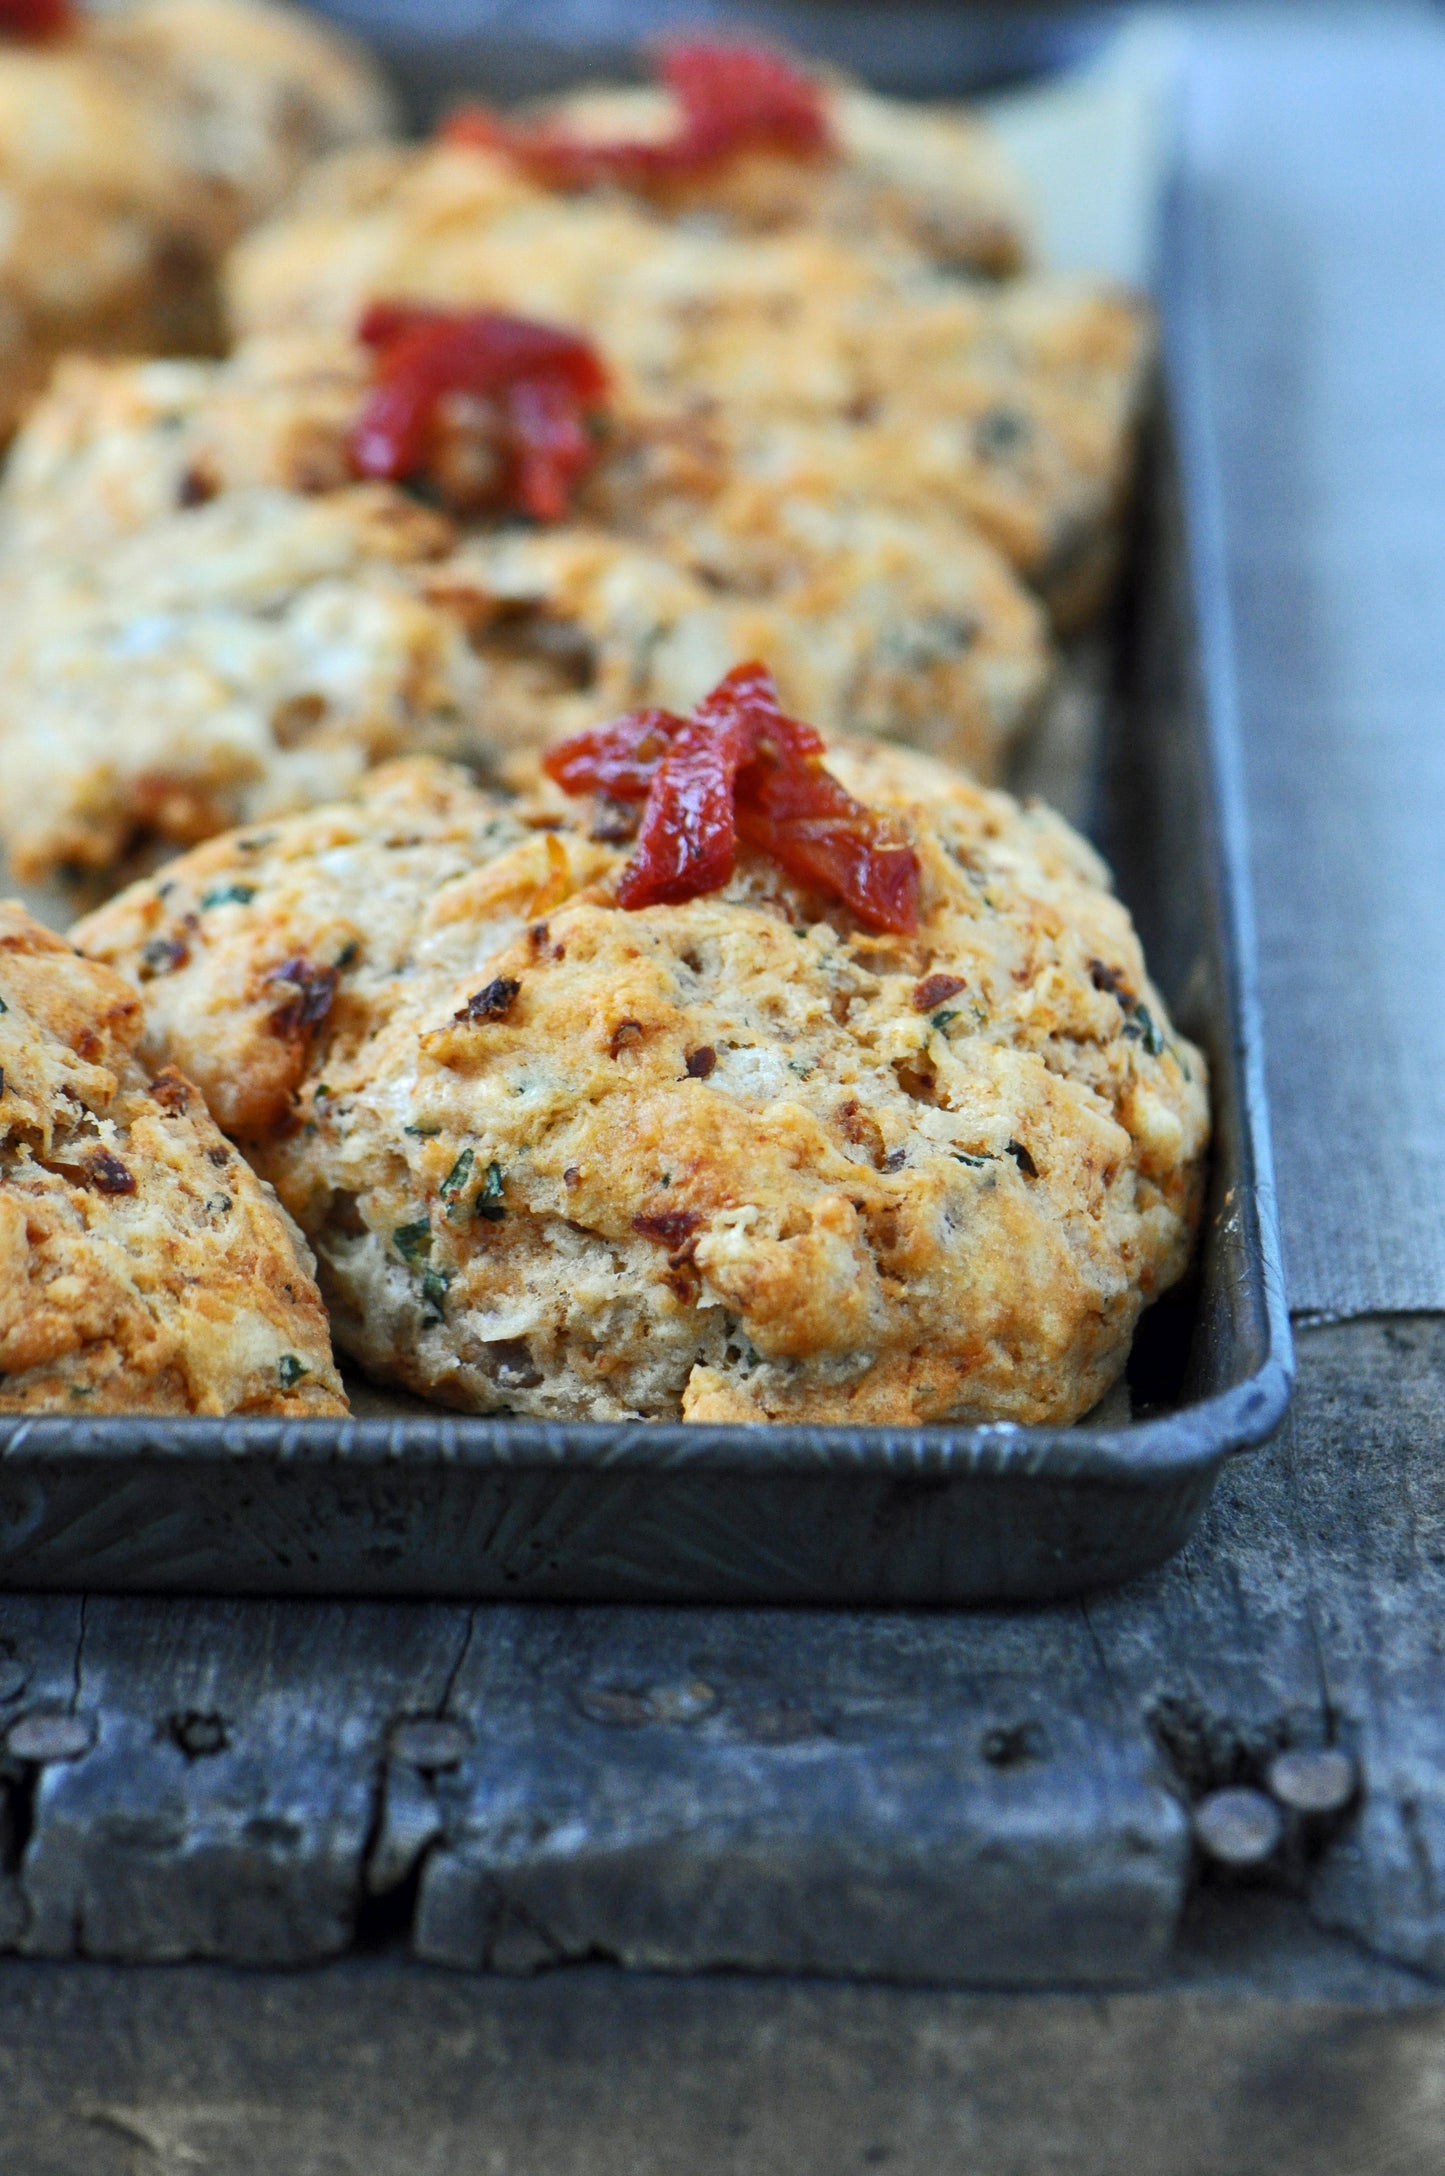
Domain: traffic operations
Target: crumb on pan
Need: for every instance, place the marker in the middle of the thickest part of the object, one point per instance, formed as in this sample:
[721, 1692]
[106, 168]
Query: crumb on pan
[738, 1158]
[143, 1266]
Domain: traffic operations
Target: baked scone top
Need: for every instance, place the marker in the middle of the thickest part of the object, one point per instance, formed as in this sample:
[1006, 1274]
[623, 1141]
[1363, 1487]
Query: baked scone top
[143, 1267]
[738, 1158]
[205, 621]
[933, 178]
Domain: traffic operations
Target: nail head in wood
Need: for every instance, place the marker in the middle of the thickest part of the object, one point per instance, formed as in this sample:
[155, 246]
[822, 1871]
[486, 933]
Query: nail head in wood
[1238, 1827]
[49, 1735]
[1314, 1783]
[430, 1741]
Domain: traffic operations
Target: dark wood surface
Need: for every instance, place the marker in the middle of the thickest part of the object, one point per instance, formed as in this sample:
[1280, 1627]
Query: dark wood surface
[1263, 2050]
[993, 1797]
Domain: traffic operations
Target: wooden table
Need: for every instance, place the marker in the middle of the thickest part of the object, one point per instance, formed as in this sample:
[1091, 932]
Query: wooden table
[1006, 1800]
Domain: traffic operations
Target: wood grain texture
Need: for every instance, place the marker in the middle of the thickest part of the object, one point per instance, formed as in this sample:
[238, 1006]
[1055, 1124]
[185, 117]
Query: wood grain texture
[1314, 2065]
[996, 1796]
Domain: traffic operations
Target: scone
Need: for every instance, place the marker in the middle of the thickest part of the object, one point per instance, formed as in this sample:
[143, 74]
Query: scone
[874, 623]
[235, 660]
[788, 357]
[745, 137]
[204, 620]
[134, 147]
[254, 93]
[1014, 409]
[143, 1267]
[735, 1155]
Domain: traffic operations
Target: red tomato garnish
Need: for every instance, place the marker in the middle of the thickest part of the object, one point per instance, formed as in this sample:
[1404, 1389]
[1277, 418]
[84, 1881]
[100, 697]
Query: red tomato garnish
[739, 768]
[732, 97]
[542, 381]
[38, 21]
[620, 759]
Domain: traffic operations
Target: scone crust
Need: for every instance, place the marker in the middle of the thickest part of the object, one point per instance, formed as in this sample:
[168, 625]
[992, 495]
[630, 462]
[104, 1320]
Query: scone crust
[204, 621]
[143, 1266]
[135, 150]
[791, 353]
[736, 1159]
[932, 178]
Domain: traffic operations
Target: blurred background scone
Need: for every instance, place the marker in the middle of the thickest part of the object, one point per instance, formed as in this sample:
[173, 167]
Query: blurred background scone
[750, 139]
[204, 619]
[235, 660]
[134, 147]
[1016, 402]
[738, 1157]
[143, 1267]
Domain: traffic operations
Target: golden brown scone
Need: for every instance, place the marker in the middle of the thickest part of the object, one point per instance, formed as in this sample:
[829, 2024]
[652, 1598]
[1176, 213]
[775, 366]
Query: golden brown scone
[734, 1159]
[112, 447]
[202, 620]
[1014, 409]
[932, 177]
[872, 621]
[798, 357]
[143, 1267]
[133, 152]
[254, 92]
[96, 224]
[249, 655]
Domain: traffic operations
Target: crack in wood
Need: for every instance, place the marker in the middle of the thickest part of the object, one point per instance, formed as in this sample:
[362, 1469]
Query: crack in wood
[1310, 1610]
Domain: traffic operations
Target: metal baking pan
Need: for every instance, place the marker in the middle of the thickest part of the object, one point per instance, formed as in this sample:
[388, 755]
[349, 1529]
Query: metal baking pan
[413, 1500]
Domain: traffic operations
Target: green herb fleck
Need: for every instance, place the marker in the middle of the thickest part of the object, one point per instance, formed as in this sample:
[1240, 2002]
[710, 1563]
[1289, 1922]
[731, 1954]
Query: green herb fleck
[423, 1133]
[413, 1241]
[346, 956]
[490, 1200]
[3, 1006]
[289, 1370]
[457, 1177]
[975, 1163]
[1143, 1028]
[79, 1390]
[434, 1287]
[940, 1021]
[229, 895]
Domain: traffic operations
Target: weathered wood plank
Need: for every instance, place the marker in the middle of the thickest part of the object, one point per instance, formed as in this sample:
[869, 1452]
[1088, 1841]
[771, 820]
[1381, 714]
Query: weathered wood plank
[226, 1806]
[989, 1796]
[1372, 1503]
[365, 2069]
[40, 1646]
[1310, 1609]
[927, 1797]
[916, 1797]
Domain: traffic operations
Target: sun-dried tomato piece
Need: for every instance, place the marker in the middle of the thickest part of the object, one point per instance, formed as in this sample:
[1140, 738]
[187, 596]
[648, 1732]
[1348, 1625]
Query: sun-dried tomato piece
[800, 815]
[619, 759]
[541, 381]
[312, 990]
[733, 98]
[688, 843]
[739, 768]
[37, 21]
